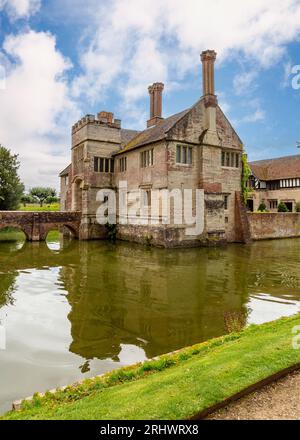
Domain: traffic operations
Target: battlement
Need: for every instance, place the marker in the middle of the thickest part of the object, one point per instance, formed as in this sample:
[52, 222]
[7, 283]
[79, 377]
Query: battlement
[103, 118]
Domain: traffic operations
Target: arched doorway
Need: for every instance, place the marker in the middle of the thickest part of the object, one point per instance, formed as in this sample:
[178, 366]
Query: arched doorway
[77, 195]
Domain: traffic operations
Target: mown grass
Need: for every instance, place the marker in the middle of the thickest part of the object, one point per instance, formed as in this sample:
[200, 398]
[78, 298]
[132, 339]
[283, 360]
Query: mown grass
[37, 208]
[11, 235]
[175, 386]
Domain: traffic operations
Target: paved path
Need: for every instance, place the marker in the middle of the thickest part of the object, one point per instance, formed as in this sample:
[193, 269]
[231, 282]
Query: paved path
[280, 400]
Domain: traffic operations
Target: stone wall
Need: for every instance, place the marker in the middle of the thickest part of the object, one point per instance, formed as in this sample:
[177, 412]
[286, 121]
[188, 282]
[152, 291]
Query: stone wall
[290, 195]
[274, 225]
[36, 225]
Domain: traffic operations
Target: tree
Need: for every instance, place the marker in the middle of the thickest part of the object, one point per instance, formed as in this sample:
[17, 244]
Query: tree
[262, 207]
[41, 194]
[26, 198]
[11, 187]
[52, 199]
[282, 207]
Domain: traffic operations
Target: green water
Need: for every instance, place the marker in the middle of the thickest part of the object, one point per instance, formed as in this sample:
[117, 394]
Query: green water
[79, 309]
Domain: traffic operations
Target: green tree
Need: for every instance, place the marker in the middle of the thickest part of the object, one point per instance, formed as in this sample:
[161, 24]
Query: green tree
[52, 199]
[11, 187]
[282, 207]
[262, 207]
[27, 198]
[41, 194]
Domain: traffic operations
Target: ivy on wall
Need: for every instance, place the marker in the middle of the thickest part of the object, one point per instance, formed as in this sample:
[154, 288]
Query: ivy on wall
[246, 173]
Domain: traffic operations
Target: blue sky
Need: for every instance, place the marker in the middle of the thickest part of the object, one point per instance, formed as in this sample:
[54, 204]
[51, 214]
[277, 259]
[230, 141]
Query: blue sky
[66, 58]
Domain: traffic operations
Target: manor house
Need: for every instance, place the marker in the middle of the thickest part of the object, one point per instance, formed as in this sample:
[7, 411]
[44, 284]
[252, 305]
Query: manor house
[274, 181]
[195, 149]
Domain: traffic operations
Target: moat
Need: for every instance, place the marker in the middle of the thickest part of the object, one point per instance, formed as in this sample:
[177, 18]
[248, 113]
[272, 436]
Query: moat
[78, 309]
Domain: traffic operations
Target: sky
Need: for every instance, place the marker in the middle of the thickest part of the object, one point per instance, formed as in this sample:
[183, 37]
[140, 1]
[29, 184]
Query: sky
[62, 59]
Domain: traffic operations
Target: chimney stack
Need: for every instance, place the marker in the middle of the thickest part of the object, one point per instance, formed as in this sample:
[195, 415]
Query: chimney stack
[155, 92]
[208, 58]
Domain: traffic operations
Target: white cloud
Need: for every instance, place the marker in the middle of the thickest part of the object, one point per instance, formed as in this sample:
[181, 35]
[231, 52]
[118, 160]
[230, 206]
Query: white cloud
[20, 8]
[124, 46]
[243, 83]
[258, 115]
[135, 42]
[36, 110]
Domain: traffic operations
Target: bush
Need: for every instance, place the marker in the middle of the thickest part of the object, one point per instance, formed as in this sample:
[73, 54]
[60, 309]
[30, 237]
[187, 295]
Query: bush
[111, 232]
[282, 207]
[262, 207]
[298, 207]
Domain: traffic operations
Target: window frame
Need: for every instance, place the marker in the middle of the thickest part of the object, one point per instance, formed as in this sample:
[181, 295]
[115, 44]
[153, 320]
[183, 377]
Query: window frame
[147, 158]
[184, 155]
[102, 164]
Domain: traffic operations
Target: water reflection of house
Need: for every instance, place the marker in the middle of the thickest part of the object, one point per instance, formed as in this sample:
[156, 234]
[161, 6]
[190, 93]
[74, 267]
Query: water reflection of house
[274, 181]
[157, 310]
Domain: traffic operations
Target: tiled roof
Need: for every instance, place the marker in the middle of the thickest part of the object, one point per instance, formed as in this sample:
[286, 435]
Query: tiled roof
[153, 134]
[127, 135]
[66, 171]
[286, 167]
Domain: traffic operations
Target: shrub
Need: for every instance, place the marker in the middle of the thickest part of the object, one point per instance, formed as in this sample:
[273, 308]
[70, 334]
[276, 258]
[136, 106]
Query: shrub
[298, 207]
[262, 207]
[282, 207]
[111, 232]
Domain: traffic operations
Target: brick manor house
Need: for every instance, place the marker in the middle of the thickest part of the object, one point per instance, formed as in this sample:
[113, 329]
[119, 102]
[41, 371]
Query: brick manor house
[196, 148]
[274, 181]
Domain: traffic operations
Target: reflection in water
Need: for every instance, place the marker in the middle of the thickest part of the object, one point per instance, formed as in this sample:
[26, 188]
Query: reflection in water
[85, 308]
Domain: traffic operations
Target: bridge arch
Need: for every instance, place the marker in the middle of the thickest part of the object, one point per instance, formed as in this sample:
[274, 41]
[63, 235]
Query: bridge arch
[36, 225]
[23, 228]
[58, 227]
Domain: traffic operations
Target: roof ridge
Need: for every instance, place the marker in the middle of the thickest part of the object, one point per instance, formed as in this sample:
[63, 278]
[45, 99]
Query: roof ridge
[274, 158]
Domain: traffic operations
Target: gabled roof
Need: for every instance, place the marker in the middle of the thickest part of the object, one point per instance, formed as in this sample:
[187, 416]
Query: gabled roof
[127, 135]
[66, 171]
[287, 167]
[153, 134]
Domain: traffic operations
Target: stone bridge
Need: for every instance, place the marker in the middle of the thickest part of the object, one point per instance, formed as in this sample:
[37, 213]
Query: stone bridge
[36, 225]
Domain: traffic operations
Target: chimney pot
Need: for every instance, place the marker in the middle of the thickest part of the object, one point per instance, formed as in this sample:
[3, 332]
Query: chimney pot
[208, 58]
[106, 117]
[155, 92]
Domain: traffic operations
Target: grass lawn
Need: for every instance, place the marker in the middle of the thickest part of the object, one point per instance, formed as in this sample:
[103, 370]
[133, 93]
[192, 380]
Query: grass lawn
[37, 208]
[11, 234]
[176, 386]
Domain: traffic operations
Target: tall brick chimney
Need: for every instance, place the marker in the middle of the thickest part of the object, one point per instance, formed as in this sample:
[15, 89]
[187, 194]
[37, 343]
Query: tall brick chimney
[208, 58]
[155, 92]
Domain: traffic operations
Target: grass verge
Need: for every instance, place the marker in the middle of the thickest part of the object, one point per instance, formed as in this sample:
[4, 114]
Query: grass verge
[11, 234]
[178, 385]
[37, 208]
